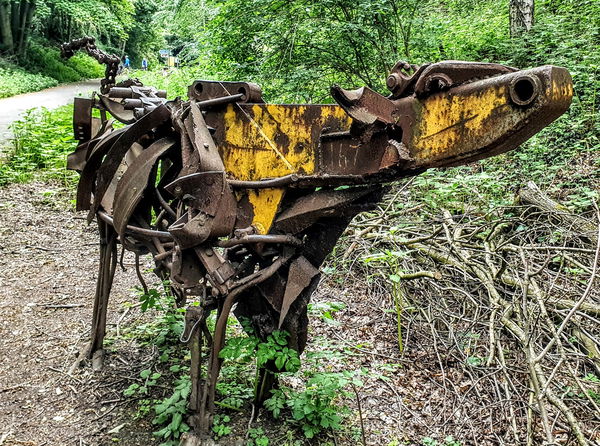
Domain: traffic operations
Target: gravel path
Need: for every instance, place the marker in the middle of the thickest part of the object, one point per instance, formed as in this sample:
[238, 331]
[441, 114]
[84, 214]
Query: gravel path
[48, 257]
[11, 108]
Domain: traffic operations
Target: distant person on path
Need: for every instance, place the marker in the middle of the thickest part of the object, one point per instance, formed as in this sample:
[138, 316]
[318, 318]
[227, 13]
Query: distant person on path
[127, 63]
[144, 64]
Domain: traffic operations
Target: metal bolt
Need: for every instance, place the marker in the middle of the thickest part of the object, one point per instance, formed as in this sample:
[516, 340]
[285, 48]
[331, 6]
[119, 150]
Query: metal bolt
[206, 145]
[178, 190]
[208, 252]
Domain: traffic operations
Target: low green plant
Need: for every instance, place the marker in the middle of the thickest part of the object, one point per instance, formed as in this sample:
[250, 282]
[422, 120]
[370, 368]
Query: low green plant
[15, 80]
[314, 409]
[163, 333]
[448, 441]
[220, 427]
[590, 377]
[273, 349]
[170, 412]
[150, 378]
[325, 310]
[257, 437]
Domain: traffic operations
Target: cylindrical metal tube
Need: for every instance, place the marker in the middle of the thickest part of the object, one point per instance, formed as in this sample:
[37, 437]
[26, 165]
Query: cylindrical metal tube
[219, 101]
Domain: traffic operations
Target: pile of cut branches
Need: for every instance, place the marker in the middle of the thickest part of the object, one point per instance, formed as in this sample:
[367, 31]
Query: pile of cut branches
[511, 298]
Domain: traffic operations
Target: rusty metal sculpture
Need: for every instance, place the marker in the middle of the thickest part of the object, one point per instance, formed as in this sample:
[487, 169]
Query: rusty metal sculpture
[239, 202]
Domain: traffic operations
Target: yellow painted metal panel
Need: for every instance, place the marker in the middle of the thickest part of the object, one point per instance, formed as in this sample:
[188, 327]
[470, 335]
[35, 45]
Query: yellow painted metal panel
[265, 203]
[269, 141]
[457, 121]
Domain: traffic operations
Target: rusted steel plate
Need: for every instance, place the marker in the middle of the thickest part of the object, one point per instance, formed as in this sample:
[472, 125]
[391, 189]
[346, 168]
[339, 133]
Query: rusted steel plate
[157, 117]
[134, 182]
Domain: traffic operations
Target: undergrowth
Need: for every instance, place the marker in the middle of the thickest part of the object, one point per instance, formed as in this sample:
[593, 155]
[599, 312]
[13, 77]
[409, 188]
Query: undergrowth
[43, 68]
[39, 147]
[16, 80]
[46, 61]
[305, 410]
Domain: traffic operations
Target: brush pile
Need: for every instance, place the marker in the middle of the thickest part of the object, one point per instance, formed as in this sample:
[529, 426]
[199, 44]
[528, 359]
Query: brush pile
[509, 305]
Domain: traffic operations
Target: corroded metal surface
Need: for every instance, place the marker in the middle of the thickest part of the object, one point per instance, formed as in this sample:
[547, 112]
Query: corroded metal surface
[238, 201]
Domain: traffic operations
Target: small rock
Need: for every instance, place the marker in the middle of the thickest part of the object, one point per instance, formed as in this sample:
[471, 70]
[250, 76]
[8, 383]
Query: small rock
[116, 430]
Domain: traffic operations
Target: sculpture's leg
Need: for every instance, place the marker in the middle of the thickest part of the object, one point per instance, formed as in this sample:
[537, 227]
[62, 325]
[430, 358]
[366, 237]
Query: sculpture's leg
[194, 317]
[106, 274]
[196, 331]
[321, 239]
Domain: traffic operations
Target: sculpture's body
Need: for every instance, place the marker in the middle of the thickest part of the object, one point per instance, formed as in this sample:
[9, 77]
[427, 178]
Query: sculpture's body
[239, 201]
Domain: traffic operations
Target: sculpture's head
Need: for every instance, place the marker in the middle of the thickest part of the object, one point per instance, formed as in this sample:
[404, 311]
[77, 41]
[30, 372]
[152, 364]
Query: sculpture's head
[451, 113]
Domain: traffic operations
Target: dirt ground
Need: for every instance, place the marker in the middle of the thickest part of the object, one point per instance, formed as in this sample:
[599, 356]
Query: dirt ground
[47, 276]
[48, 269]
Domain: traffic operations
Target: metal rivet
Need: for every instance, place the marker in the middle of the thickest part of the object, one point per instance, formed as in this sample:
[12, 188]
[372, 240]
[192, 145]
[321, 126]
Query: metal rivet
[206, 145]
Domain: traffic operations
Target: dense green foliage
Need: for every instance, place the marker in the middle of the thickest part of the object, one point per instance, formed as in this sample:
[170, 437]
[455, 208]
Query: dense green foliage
[42, 140]
[15, 80]
[47, 61]
[32, 30]
[44, 68]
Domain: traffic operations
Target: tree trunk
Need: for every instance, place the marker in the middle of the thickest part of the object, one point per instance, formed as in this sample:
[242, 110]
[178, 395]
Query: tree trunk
[14, 19]
[521, 16]
[27, 11]
[6, 37]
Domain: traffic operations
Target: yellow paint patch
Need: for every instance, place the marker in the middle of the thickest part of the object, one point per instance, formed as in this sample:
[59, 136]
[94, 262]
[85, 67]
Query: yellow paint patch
[561, 90]
[455, 121]
[265, 203]
[270, 141]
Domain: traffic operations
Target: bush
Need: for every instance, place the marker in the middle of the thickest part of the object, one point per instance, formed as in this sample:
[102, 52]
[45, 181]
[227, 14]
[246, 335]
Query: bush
[47, 61]
[42, 139]
[44, 68]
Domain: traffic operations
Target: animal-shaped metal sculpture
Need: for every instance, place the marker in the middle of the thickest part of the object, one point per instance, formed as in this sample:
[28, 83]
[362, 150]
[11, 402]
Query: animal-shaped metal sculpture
[239, 201]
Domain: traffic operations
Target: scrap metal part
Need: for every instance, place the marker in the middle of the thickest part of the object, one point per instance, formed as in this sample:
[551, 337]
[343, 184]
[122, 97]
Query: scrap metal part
[238, 201]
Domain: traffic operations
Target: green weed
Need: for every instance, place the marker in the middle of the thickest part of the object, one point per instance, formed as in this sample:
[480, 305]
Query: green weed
[42, 139]
[15, 80]
[170, 412]
[314, 409]
[448, 441]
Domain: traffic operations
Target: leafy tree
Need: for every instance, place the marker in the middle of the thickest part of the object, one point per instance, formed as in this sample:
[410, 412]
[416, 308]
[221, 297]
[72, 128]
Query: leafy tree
[144, 38]
[109, 21]
[312, 43]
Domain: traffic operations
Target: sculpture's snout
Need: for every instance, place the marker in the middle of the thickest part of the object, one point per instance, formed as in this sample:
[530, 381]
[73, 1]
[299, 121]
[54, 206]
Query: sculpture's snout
[486, 117]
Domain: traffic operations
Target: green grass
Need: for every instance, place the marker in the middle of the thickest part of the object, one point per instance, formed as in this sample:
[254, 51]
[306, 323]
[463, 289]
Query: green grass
[42, 140]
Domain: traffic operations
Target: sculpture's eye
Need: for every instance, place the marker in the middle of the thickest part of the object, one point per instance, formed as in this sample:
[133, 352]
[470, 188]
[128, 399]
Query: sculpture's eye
[524, 89]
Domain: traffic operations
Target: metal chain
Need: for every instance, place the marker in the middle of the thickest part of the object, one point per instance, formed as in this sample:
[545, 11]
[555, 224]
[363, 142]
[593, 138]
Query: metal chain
[88, 44]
